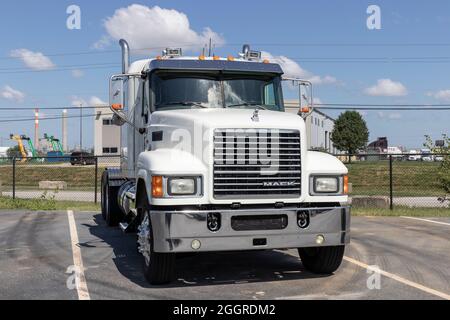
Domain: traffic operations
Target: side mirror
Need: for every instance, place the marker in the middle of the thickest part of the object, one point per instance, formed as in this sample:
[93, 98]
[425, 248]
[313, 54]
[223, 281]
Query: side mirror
[118, 88]
[305, 96]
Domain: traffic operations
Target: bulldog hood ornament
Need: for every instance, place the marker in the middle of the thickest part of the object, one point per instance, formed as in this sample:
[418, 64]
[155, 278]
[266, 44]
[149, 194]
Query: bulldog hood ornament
[255, 117]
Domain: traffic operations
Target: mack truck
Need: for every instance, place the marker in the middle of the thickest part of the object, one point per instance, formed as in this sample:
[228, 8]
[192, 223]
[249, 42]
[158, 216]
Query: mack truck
[211, 162]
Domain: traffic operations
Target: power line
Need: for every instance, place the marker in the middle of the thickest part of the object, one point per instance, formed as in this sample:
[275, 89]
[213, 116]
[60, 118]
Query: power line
[63, 69]
[388, 108]
[354, 44]
[52, 118]
[380, 105]
[66, 66]
[54, 108]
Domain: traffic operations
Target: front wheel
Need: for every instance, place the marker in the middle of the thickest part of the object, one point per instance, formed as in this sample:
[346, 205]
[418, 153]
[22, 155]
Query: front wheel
[159, 268]
[322, 260]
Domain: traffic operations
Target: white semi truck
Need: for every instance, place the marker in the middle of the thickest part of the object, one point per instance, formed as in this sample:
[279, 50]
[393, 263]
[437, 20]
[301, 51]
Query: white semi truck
[211, 162]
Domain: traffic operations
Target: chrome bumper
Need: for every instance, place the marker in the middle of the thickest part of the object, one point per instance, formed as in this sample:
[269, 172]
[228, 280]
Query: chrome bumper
[174, 231]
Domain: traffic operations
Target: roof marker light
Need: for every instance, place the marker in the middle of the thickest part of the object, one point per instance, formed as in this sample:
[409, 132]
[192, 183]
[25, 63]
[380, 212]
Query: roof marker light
[201, 57]
[216, 58]
[230, 58]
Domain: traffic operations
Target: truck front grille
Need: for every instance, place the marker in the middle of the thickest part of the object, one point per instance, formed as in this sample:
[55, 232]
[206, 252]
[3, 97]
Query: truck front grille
[262, 163]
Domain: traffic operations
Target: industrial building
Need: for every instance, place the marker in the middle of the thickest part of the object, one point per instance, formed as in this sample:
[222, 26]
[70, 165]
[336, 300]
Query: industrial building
[106, 134]
[319, 127]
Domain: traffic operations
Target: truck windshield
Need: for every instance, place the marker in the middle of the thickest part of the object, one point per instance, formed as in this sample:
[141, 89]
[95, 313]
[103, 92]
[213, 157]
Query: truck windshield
[181, 91]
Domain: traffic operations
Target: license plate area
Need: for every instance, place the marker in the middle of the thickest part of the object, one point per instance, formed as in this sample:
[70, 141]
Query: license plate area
[259, 222]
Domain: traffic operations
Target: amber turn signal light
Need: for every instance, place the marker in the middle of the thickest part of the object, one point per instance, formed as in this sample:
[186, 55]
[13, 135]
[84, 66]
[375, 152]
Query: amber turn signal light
[345, 184]
[304, 110]
[157, 186]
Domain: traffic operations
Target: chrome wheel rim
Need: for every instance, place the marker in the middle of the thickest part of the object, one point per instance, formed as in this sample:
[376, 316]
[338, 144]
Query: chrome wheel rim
[144, 238]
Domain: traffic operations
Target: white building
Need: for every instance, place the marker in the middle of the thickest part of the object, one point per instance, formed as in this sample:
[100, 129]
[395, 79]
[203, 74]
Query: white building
[319, 127]
[106, 135]
[3, 152]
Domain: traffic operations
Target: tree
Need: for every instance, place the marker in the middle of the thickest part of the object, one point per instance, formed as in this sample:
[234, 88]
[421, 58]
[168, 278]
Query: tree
[350, 132]
[444, 168]
[14, 152]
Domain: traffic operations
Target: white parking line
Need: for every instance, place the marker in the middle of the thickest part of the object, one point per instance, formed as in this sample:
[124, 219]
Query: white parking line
[401, 280]
[427, 220]
[81, 284]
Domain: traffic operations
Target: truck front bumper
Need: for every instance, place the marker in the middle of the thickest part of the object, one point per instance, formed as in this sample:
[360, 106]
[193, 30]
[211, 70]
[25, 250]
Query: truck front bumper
[184, 230]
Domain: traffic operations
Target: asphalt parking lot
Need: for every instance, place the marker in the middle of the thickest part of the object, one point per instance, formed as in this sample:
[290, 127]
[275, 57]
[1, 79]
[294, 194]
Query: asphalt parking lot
[38, 251]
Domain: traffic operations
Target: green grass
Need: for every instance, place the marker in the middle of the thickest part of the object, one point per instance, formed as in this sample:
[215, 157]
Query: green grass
[413, 179]
[46, 204]
[402, 211]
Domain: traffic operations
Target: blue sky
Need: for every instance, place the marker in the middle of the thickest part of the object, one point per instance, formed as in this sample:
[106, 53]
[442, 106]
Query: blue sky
[275, 27]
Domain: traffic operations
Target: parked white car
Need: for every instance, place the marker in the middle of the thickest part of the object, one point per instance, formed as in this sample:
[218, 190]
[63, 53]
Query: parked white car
[414, 155]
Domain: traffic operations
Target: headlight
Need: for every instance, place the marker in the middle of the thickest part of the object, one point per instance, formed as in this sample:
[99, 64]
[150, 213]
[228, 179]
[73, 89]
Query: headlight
[326, 185]
[182, 186]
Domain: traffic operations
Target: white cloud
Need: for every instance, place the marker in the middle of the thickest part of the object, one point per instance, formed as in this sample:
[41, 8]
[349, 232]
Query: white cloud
[93, 101]
[154, 27]
[33, 60]
[317, 100]
[96, 101]
[78, 101]
[387, 88]
[77, 73]
[12, 94]
[442, 95]
[292, 69]
[104, 42]
[389, 115]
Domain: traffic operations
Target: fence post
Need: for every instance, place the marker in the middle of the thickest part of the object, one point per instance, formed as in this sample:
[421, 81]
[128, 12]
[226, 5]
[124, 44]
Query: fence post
[391, 191]
[14, 178]
[96, 178]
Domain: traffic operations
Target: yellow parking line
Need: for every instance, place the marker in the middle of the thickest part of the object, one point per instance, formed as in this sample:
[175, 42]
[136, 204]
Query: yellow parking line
[81, 284]
[401, 280]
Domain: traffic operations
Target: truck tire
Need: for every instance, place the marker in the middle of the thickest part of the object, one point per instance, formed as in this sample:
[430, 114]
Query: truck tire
[110, 207]
[159, 268]
[103, 193]
[322, 260]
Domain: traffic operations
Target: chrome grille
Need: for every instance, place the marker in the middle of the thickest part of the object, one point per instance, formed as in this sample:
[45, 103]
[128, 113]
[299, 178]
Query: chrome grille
[261, 163]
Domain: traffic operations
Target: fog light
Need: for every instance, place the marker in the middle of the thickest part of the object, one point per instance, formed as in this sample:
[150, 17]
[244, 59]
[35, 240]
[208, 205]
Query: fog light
[196, 244]
[213, 221]
[303, 219]
[320, 239]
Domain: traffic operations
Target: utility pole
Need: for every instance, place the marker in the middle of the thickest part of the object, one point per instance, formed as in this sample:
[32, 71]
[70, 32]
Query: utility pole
[81, 126]
[209, 52]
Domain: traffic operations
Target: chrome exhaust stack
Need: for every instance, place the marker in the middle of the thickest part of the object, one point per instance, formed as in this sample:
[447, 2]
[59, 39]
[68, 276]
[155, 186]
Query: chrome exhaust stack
[125, 55]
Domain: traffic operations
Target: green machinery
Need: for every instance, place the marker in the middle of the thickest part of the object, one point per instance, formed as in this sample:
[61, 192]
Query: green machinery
[19, 139]
[56, 144]
[34, 153]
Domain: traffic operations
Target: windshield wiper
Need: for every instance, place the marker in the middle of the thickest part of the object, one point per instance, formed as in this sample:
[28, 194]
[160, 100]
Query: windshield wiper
[183, 103]
[248, 104]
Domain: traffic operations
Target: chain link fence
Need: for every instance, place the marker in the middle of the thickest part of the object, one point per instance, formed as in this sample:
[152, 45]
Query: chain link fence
[379, 181]
[63, 178]
[399, 180]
